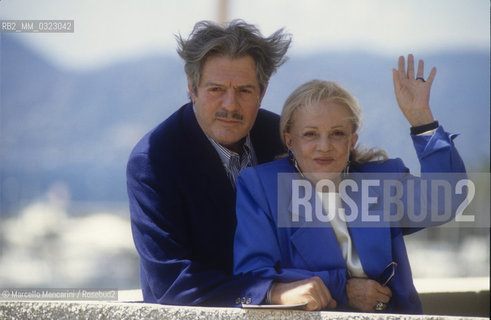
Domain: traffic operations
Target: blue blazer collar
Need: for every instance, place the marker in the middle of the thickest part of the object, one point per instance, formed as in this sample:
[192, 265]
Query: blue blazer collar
[373, 244]
[205, 160]
[371, 240]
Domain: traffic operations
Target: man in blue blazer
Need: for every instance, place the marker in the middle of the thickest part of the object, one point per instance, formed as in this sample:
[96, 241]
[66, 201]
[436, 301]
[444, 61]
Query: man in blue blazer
[181, 175]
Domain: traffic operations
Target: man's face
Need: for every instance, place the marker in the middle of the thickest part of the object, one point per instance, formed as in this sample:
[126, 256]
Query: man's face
[227, 99]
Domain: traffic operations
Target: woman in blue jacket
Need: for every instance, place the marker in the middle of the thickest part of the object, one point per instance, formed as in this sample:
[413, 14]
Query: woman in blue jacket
[345, 257]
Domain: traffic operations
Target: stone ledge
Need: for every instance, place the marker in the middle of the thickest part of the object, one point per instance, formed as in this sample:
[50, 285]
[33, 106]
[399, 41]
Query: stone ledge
[464, 298]
[454, 296]
[456, 303]
[117, 311]
[424, 286]
[467, 284]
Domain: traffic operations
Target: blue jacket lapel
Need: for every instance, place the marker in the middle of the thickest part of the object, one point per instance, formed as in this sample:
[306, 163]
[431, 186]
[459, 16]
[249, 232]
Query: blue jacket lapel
[212, 177]
[315, 243]
[372, 241]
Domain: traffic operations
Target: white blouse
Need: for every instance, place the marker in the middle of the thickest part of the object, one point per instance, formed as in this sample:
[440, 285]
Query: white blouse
[338, 223]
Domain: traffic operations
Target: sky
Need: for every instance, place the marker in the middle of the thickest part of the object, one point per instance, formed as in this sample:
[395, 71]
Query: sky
[113, 30]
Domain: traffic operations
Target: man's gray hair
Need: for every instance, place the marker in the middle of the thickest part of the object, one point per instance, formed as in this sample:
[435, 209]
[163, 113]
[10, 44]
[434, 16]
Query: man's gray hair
[235, 39]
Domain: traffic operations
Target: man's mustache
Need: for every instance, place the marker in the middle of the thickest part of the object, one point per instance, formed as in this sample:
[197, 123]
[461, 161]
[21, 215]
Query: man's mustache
[224, 114]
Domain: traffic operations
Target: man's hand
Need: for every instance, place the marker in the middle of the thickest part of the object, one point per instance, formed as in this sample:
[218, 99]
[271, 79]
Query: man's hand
[312, 291]
[364, 294]
[412, 92]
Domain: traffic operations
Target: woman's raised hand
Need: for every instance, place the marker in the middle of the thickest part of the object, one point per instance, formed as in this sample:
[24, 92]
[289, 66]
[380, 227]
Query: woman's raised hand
[413, 92]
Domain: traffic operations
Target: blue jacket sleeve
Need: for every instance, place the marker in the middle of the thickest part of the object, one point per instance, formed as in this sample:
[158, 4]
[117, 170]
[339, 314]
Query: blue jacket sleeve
[257, 249]
[440, 163]
[169, 274]
[437, 152]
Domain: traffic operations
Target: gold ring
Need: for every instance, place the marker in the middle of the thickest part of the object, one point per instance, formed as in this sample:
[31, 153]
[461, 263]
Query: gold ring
[380, 306]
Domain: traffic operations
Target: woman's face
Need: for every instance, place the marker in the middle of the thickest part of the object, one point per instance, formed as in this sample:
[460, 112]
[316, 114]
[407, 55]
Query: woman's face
[321, 138]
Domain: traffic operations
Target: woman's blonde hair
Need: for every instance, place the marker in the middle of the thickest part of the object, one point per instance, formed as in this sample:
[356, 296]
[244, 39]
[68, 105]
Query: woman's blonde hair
[316, 91]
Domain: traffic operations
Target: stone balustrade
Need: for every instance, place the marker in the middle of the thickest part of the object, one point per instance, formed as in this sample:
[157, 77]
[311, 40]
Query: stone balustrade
[443, 299]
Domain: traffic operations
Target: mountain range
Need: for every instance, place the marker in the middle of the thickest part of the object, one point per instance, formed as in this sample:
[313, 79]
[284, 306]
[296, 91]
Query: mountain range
[78, 127]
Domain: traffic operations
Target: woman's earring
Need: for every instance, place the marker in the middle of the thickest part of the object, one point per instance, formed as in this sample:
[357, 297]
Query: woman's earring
[292, 159]
[347, 167]
[290, 155]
